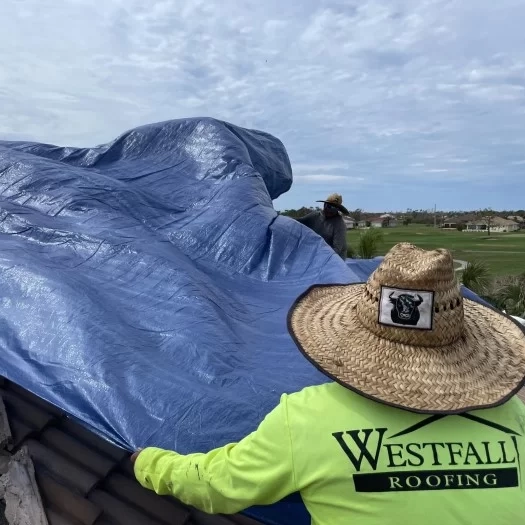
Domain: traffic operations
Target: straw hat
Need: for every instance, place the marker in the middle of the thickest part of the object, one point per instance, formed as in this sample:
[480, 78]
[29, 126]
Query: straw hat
[408, 339]
[336, 200]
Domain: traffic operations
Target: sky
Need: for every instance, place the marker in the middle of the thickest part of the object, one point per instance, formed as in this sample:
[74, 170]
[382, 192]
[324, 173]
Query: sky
[395, 104]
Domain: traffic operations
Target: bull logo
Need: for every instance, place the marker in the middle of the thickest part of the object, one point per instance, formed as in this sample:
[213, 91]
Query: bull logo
[406, 308]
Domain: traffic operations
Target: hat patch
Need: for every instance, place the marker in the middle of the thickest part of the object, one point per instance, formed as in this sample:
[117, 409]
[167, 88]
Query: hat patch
[411, 309]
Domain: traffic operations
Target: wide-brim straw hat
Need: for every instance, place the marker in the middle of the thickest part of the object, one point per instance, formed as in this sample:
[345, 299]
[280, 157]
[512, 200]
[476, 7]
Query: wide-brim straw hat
[407, 338]
[336, 201]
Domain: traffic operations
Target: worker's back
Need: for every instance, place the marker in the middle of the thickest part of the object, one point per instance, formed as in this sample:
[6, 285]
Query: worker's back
[360, 462]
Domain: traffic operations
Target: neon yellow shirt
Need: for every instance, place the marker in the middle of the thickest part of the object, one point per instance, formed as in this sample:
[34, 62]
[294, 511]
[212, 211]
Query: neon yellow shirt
[356, 461]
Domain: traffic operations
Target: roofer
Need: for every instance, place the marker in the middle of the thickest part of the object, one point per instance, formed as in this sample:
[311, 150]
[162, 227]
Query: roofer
[420, 425]
[329, 223]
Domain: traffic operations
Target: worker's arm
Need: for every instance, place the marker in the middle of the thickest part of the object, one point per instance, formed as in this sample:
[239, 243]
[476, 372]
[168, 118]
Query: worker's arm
[256, 471]
[308, 219]
[339, 245]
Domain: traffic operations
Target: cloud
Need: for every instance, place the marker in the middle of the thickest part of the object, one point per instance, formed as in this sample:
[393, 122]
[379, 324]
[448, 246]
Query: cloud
[322, 177]
[299, 168]
[324, 173]
[371, 96]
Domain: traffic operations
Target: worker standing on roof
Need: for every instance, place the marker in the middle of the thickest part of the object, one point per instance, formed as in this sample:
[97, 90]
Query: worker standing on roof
[420, 426]
[329, 223]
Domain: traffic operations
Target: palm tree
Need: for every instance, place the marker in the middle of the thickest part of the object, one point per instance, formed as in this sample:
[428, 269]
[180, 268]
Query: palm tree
[476, 277]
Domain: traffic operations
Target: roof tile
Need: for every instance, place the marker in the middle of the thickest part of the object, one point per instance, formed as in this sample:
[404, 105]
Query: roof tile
[35, 400]
[75, 507]
[126, 468]
[61, 468]
[121, 513]
[55, 518]
[4, 463]
[73, 449]
[20, 431]
[166, 510]
[92, 440]
[6, 437]
[21, 409]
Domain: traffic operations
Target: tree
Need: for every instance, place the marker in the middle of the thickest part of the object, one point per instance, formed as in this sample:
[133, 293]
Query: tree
[357, 214]
[488, 216]
[296, 214]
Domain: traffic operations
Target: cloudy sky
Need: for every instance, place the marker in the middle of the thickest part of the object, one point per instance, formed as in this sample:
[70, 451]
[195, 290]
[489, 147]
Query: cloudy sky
[394, 103]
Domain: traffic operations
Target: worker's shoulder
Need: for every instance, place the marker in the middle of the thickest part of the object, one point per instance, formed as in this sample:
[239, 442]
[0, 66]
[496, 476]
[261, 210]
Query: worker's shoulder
[319, 394]
[313, 213]
[512, 410]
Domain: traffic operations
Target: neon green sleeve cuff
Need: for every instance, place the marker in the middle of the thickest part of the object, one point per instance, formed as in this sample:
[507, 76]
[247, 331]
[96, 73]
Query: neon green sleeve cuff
[144, 468]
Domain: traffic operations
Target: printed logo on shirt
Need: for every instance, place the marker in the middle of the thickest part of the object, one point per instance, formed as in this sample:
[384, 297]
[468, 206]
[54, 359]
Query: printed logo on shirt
[406, 308]
[430, 465]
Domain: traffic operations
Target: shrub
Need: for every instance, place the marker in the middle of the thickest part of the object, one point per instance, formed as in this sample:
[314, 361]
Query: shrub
[369, 243]
[350, 252]
[508, 293]
[476, 277]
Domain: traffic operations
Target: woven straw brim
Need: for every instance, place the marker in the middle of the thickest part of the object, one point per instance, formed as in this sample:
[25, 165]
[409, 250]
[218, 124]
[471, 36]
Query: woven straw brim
[483, 369]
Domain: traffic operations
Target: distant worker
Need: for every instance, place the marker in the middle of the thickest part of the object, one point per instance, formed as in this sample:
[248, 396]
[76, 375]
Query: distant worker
[419, 425]
[329, 223]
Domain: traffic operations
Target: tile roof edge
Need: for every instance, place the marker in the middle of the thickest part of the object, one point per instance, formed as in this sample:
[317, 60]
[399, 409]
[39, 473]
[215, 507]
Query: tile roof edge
[19, 489]
[85, 435]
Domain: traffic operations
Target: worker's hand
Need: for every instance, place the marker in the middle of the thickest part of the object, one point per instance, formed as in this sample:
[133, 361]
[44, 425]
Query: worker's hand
[136, 455]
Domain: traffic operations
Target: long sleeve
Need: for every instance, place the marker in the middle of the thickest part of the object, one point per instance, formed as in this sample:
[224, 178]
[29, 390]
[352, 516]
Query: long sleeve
[340, 246]
[256, 471]
[309, 219]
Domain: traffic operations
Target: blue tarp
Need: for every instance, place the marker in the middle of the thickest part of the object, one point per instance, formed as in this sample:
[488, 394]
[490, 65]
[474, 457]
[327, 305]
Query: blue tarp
[144, 284]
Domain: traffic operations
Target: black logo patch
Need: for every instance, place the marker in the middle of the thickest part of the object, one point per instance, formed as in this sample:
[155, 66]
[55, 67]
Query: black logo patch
[412, 309]
[406, 308]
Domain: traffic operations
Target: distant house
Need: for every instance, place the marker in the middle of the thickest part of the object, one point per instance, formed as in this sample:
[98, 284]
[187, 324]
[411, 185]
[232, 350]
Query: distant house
[453, 223]
[389, 220]
[350, 222]
[516, 218]
[384, 221]
[476, 226]
[363, 224]
[497, 225]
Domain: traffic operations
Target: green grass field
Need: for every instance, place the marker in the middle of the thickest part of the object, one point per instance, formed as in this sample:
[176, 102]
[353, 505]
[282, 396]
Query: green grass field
[504, 253]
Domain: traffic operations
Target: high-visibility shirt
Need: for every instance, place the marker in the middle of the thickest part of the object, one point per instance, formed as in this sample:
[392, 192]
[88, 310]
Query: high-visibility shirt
[356, 461]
